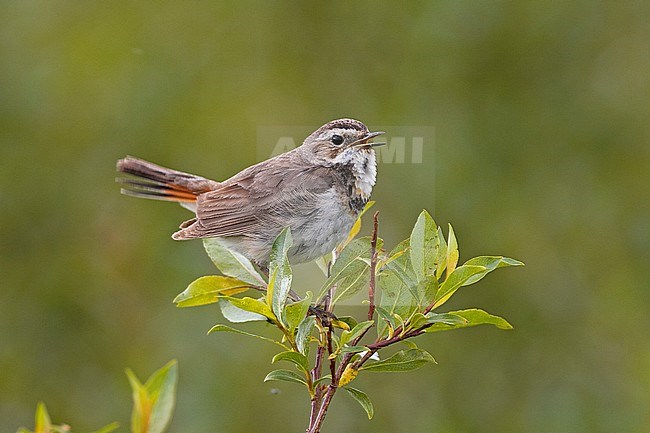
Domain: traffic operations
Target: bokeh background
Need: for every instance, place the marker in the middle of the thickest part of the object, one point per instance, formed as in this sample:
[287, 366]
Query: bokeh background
[541, 113]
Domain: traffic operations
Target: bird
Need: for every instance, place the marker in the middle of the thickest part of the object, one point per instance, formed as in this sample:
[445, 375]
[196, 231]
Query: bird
[317, 190]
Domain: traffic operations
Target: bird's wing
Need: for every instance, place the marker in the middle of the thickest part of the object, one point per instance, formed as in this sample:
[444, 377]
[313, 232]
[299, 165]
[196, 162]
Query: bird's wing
[259, 198]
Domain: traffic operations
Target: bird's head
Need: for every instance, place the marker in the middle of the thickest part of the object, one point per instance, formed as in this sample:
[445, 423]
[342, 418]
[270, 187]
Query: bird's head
[341, 141]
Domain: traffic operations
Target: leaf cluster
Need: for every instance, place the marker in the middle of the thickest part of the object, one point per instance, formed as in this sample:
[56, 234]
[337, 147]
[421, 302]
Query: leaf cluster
[153, 405]
[326, 352]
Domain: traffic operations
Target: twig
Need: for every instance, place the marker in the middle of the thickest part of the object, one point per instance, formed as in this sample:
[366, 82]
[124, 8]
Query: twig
[320, 417]
[373, 271]
[329, 306]
[332, 388]
[315, 374]
[318, 401]
[316, 422]
[374, 347]
[330, 349]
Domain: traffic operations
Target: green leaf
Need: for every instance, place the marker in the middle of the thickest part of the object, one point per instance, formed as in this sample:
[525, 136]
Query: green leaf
[287, 376]
[303, 334]
[323, 379]
[362, 399]
[400, 253]
[208, 289]
[464, 319]
[108, 428]
[161, 387]
[404, 360]
[139, 417]
[403, 293]
[296, 358]
[409, 344]
[417, 321]
[397, 285]
[386, 315]
[253, 305]
[354, 349]
[231, 263]
[425, 291]
[402, 268]
[424, 244]
[388, 320]
[348, 320]
[323, 263]
[296, 312]
[399, 261]
[441, 257]
[153, 402]
[355, 332]
[280, 271]
[490, 263]
[452, 251]
[397, 299]
[340, 324]
[444, 319]
[356, 227]
[401, 256]
[43, 422]
[454, 281]
[280, 247]
[225, 328]
[237, 315]
[420, 293]
[351, 271]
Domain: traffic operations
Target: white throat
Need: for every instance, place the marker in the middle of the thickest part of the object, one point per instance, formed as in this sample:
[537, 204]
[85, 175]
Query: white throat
[364, 169]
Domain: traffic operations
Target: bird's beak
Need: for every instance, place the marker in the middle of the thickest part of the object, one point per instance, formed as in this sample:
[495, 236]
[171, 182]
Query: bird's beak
[364, 141]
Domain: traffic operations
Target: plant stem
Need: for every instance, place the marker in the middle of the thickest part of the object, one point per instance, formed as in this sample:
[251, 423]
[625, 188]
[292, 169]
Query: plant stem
[315, 375]
[315, 423]
[330, 350]
[323, 401]
[322, 411]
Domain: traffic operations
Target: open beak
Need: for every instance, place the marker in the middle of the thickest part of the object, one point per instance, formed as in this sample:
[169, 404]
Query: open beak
[364, 141]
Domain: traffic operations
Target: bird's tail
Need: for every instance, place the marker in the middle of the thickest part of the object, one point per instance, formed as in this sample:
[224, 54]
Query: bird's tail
[152, 181]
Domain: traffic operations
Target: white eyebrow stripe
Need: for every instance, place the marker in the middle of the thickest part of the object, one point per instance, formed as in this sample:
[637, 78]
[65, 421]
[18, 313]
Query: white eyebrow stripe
[331, 132]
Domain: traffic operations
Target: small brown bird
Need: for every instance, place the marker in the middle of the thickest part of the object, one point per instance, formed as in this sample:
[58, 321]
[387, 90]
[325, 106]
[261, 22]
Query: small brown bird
[316, 189]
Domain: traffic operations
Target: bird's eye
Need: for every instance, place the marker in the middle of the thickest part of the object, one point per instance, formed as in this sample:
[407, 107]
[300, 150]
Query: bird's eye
[337, 140]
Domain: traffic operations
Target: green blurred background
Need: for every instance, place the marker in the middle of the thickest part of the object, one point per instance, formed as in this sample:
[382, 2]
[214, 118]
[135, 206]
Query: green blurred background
[541, 113]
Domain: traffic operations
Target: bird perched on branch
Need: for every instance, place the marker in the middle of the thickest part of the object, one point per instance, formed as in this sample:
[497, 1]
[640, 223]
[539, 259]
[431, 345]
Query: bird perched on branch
[316, 189]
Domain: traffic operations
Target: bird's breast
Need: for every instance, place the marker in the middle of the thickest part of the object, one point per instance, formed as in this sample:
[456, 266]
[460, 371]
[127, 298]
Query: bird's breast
[328, 225]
